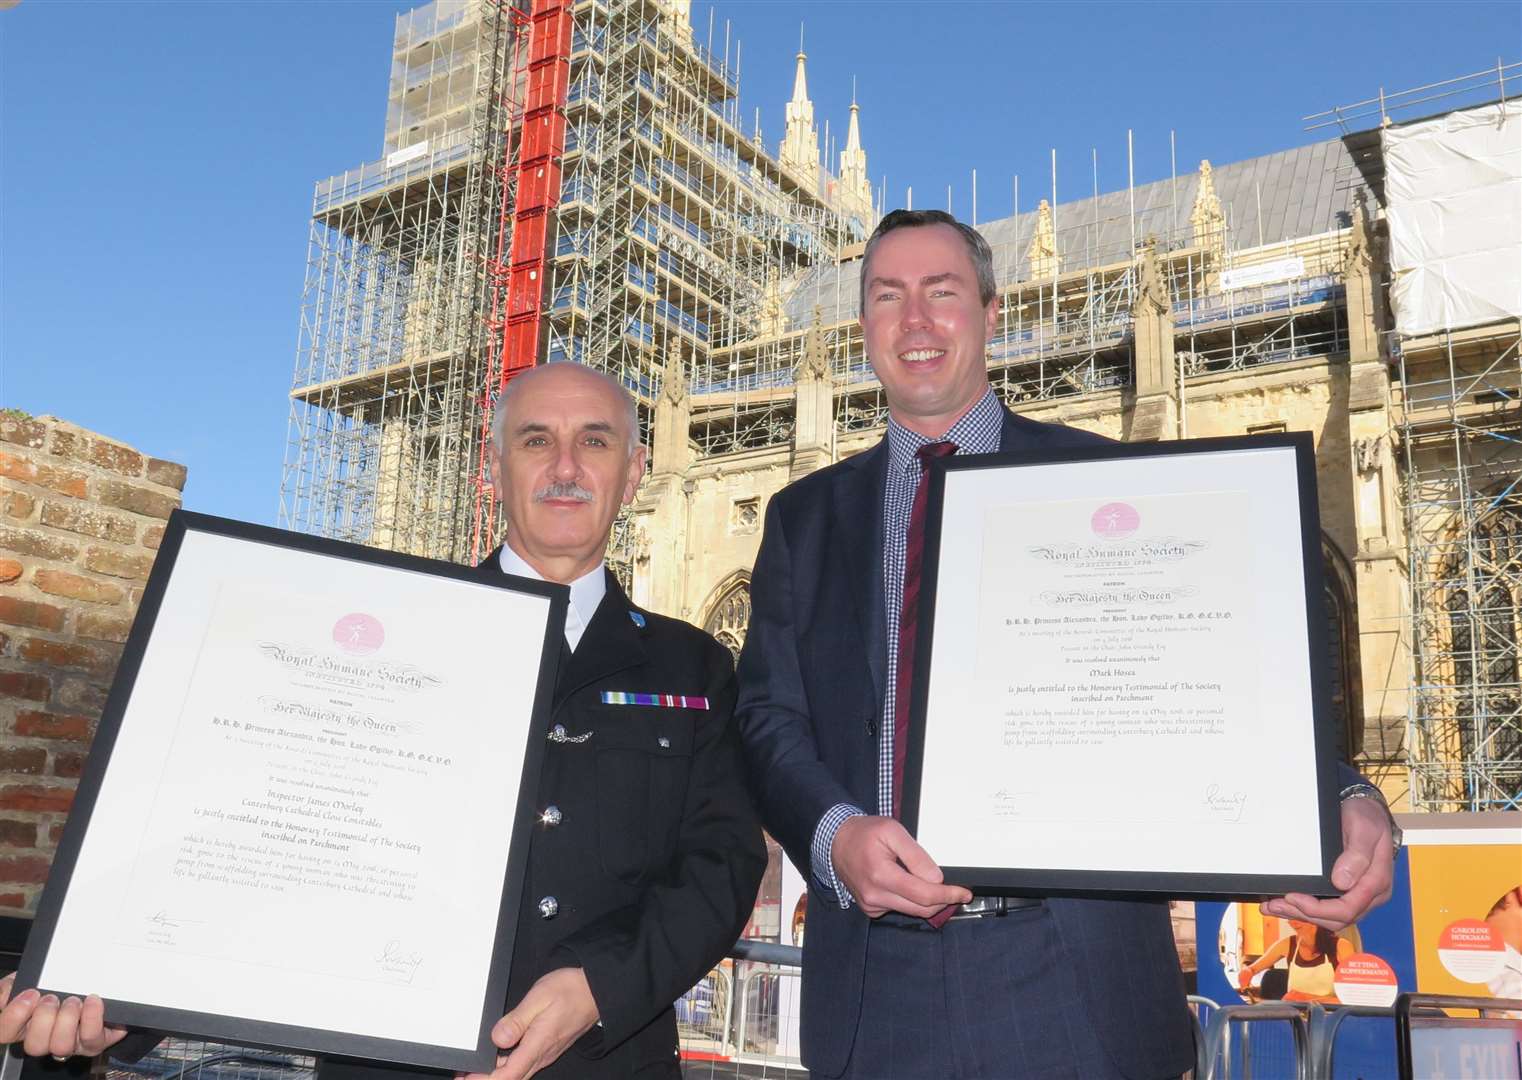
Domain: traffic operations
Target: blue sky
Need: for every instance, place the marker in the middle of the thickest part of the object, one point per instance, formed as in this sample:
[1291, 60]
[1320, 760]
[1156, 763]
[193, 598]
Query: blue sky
[157, 159]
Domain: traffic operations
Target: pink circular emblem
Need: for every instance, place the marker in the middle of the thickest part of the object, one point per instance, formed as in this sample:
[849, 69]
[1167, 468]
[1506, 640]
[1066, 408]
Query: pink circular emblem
[358, 633]
[1115, 521]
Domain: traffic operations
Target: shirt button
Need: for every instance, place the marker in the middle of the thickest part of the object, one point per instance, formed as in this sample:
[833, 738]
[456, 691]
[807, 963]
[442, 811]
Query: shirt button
[549, 907]
[551, 816]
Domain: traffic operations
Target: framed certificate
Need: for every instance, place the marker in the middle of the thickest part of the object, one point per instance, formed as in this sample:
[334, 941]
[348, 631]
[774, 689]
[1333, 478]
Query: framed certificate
[1121, 673]
[302, 820]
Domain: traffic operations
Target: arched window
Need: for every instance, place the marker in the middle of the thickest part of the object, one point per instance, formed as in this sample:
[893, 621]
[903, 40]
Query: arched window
[730, 614]
[1484, 610]
[1342, 645]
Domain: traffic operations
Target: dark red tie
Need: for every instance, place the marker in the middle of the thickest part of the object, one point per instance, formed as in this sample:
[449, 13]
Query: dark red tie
[908, 616]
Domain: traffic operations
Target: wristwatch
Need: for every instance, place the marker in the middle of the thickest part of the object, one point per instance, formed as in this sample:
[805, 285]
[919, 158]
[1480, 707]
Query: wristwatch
[1363, 790]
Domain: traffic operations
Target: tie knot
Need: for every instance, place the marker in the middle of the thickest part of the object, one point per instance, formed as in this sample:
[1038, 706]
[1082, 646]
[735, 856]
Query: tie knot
[933, 450]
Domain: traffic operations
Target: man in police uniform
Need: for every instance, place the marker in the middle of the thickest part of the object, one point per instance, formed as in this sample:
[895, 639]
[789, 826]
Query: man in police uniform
[645, 862]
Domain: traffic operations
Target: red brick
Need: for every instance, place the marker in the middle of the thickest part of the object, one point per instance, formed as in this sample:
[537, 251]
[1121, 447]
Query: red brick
[55, 833]
[68, 766]
[13, 900]
[74, 587]
[68, 655]
[153, 536]
[10, 570]
[81, 694]
[69, 443]
[19, 467]
[32, 542]
[103, 627]
[19, 505]
[33, 613]
[117, 458]
[89, 520]
[118, 563]
[168, 473]
[25, 760]
[138, 499]
[25, 869]
[36, 797]
[23, 432]
[25, 684]
[15, 833]
[41, 725]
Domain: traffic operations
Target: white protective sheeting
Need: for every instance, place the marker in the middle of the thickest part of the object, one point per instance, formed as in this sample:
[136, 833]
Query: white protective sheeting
[1453, 186]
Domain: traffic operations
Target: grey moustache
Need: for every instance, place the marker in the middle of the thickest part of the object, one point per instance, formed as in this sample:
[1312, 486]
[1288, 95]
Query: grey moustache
[563, 491]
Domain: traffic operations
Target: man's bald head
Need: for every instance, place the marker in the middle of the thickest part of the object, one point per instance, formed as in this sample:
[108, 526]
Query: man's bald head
[571, 371]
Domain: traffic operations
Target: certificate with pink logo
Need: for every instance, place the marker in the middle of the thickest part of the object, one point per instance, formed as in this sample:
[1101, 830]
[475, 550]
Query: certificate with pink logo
[300, 825]
[1126, 681]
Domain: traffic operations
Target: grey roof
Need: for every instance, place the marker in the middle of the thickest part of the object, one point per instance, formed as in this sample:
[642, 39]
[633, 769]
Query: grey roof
[1281, 196]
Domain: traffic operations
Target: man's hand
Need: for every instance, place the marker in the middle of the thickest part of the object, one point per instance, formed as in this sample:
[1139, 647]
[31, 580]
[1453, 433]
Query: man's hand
[557, 1010]
[887, 871]
[1364, 871]
[45, 1025]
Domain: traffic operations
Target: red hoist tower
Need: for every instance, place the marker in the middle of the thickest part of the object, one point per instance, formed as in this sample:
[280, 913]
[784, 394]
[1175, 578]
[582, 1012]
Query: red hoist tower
[518, 298]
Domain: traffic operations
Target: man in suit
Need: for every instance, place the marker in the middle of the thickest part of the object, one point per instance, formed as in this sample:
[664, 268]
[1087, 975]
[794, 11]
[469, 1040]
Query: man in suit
[1049, 988]
[645, 864]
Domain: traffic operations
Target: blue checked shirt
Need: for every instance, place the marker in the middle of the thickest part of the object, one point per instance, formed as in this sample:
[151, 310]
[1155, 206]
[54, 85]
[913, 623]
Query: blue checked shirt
[977, 432]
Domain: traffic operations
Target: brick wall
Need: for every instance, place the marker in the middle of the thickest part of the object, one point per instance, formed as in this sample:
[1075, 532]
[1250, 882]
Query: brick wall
[80, 518]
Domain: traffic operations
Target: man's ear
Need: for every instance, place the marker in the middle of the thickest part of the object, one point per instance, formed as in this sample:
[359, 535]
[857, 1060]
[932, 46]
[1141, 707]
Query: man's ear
[636, 473]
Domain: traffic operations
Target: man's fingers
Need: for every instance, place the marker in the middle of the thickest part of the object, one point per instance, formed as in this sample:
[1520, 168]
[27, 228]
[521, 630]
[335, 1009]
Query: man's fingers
[65, 1037]
[527, 1058]
[892, 888]
[907, 850]
[508, 1032]
[886, 870]
[14, 1017]
[95, 1035]
[932, 890]
[39, 1030]
[6, 984]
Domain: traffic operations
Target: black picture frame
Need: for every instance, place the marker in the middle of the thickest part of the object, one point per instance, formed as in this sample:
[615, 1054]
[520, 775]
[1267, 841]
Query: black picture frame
[1097, 881]
[248, 1031]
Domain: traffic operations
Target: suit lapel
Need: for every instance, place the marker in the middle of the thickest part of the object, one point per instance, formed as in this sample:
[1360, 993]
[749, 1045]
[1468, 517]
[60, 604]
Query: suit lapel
[610, 643]
[859, 508]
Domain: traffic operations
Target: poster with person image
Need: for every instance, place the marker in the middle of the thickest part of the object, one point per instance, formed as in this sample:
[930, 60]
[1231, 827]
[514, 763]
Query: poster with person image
[1466, 903]
[1267, 958]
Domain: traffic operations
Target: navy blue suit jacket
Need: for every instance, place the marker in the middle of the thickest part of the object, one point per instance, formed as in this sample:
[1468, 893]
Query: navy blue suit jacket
[810, 707]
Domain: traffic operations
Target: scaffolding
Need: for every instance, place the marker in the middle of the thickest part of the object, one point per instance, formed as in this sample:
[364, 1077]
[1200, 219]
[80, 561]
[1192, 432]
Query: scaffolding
[1068, 289]
[1459, 426]
[384, 437]
[668, 230]
[1461, 439]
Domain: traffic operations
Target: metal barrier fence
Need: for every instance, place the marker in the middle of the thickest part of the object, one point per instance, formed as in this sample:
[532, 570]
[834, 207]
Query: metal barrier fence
[741, 1023]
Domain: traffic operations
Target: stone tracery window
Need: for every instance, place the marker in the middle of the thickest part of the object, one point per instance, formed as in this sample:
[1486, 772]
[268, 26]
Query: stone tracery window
[730, 615]
[1484, 625]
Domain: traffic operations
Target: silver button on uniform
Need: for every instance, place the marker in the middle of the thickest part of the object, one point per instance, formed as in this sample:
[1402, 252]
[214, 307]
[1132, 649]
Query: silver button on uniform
[558, 731]
[665, 743]
[549, 907]
[551, 816]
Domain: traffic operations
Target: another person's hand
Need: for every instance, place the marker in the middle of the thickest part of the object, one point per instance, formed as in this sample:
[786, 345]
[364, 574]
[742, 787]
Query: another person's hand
[1364, 871]
[45, 1025]
[557, 1010]
[886, 870]
[1244, 977]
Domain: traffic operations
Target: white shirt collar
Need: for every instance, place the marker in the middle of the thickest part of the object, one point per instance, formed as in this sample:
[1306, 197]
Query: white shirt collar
[586, 593]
